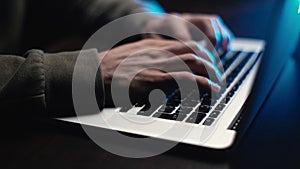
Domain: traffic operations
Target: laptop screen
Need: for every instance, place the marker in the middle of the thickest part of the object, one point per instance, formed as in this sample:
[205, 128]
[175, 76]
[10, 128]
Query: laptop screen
[282, 40]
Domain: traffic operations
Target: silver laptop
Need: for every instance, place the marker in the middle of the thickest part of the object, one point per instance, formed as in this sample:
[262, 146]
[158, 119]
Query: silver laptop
[251, 67]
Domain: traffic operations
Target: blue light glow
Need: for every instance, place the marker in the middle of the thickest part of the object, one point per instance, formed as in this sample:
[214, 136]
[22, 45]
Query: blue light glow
[151, 6]
[299, 9]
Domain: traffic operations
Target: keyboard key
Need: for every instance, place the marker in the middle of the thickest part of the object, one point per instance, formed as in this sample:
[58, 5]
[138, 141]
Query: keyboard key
[147, 110]
[178, 117]
[146, 107]
[173, 102]
[204, 108]
[227, 84]
[167, 109]
[229, 59]
[235, 87]
[184, 110]
[208, 101]
[138, 104]
[189, 103]
[214, 114]
[165, 116]
[208, 121]
[230, 93]
[230, 78]
[225, 100]
[196, 117]
[234, 73]
[144, 113]
[220, 107]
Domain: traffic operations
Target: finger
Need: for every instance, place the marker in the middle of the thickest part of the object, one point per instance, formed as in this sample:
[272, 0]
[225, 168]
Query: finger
[201, 67]
[170, 81]
[227, 34]
[192, 47]
[204, 84]
[202, 51]
[217, 36]
[195, 64]
[225, 37]
[179, 48]
[208, 26]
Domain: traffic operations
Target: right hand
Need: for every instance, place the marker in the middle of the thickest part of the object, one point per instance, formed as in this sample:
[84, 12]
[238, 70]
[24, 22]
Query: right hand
[145, 53]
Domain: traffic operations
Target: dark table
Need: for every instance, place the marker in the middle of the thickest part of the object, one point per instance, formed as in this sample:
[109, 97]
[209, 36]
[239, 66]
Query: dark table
[273, 140]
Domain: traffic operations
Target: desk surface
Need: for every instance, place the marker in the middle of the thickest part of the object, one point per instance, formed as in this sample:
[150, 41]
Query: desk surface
[272, 140]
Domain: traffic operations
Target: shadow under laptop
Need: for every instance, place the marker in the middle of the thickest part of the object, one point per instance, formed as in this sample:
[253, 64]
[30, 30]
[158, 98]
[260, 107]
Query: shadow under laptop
[60, 136]
[178, 155]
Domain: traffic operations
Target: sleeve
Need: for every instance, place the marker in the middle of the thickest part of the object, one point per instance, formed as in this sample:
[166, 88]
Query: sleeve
[39, 84]
[47, 22]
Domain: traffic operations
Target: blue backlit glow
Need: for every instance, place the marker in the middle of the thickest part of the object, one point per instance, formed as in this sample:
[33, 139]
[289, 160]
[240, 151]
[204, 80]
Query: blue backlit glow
[151, 6]
[299, 9]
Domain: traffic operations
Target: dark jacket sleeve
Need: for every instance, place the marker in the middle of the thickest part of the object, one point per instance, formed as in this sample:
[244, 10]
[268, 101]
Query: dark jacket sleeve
[41, 84]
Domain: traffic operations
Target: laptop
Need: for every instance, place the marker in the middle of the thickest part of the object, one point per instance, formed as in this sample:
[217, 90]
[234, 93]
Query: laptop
[251, 67]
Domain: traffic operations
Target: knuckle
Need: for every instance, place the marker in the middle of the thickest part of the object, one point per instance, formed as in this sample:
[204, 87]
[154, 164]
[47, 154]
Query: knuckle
[190, 57]
[163, 77]
[182, 76]
[187, 76]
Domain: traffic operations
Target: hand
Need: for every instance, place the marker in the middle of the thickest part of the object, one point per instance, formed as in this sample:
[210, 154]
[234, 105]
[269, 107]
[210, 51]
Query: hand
[211, 25]
[143, 55]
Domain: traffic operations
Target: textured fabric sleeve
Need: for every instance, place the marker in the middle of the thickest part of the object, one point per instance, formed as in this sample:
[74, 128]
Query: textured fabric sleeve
[40, 84]
[59, 77]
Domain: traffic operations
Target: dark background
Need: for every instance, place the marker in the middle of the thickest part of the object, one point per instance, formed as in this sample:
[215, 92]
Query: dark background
[271, 142]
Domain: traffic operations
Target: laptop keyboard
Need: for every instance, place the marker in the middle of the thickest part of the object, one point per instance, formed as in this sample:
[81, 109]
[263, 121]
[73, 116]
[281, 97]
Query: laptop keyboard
[206, 109]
